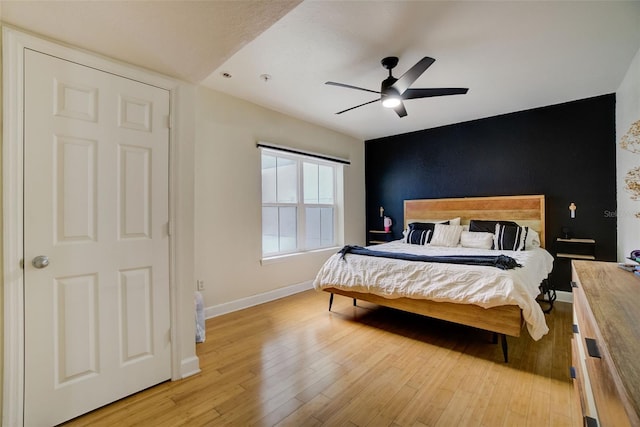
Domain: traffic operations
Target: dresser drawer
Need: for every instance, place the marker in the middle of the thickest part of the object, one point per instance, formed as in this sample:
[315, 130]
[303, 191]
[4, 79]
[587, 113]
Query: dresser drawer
[581, 374]
[611, 411]
[584, 319]
[578, 378]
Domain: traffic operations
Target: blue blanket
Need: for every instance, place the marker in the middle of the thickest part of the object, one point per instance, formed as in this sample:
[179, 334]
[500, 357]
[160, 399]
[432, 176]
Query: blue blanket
[503, 262]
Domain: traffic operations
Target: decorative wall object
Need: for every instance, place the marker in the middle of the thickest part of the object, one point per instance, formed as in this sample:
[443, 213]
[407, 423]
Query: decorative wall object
[627, 212]
[632, 183]
[631, 140]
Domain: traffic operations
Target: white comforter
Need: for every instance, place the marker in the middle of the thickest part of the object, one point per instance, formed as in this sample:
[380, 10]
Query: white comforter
[463, 284]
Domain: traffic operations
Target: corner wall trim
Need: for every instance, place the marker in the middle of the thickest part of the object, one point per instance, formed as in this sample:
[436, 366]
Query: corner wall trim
[242, 303]
[189, 366]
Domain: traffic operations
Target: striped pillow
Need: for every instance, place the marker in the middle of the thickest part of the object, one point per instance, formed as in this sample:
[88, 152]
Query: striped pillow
[419, 233]
[510, 237]
[418, 237]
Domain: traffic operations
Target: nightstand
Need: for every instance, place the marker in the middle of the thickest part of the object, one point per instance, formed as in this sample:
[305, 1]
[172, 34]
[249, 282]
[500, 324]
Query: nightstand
[566, 250]
[379, 236]
[576, 248]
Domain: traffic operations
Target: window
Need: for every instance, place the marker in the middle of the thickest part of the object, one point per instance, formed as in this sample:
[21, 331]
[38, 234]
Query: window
[299, 203]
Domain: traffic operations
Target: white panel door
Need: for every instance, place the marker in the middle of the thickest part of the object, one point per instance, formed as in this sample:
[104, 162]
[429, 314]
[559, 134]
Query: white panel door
[96, 153]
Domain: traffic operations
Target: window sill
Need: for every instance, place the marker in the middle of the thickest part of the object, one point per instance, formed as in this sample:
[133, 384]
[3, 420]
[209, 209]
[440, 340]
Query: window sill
[289, 257]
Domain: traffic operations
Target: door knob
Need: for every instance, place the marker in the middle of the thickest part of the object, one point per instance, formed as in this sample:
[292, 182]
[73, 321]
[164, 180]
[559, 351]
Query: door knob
[40, 261]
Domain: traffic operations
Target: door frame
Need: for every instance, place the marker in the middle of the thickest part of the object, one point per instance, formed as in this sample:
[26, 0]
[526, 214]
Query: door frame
[14, 44]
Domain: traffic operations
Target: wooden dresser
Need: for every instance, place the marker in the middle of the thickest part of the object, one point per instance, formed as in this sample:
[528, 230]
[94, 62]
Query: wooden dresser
[606, 343]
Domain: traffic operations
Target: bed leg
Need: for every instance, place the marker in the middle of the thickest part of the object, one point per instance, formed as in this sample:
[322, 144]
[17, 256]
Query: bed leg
[330, 300]
[547, 289]
[505, 349]
[354, 302]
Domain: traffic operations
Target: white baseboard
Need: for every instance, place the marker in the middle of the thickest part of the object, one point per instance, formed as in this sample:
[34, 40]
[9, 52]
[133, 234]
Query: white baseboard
[189, 366]
[220, 309]
[564, 296]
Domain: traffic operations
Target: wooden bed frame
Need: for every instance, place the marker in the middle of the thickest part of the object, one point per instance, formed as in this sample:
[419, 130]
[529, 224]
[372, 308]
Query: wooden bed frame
[503, 320]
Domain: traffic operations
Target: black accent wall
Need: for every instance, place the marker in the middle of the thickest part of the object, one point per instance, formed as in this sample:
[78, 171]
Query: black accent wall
[564, 151]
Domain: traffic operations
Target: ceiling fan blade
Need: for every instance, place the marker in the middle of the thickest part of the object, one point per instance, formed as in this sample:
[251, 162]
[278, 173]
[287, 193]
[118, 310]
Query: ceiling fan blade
[412, 75]
[426, 93]
[400, 110]
[349, 109]
[350, 87]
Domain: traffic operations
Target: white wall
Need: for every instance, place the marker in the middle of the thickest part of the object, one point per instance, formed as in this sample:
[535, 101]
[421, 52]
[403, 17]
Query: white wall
[228, 241]
[628, 113]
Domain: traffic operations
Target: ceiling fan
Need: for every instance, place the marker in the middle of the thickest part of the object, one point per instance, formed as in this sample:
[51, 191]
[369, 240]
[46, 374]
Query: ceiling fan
[393, 91]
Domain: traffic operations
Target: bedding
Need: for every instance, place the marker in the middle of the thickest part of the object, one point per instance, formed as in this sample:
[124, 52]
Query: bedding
[418, 237]
[461, 284]
[420, 233]
[476, 239]
[499, 261]
[479, 225]
[511, 237]
[446, 235]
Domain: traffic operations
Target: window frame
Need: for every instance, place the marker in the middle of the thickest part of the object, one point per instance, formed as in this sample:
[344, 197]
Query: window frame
[300, 205]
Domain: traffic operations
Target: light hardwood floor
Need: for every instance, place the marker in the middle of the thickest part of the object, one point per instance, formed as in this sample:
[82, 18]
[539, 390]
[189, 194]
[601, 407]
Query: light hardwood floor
[292, 363]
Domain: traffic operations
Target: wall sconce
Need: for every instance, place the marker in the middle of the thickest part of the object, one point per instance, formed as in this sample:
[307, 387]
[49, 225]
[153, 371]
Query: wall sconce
[572, 208]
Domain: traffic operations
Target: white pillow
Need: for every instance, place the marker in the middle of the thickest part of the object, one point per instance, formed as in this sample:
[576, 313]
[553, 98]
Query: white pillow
[446, 235]
[476, 239]
[533, 239]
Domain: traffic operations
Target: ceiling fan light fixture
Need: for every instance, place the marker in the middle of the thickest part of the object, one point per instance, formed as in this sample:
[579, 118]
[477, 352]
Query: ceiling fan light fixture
[391, 101]
[395, 90]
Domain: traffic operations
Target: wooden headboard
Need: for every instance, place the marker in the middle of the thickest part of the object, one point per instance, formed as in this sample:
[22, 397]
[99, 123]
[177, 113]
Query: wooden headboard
[525, 210]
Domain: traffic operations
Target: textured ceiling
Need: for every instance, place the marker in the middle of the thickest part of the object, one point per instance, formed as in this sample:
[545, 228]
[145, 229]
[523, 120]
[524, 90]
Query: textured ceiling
[512, 55]
[184, 39]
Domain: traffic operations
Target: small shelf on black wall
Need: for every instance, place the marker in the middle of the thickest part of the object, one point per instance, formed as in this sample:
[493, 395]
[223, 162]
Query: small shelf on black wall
[574, 248]
[565, 250]
[377, 237]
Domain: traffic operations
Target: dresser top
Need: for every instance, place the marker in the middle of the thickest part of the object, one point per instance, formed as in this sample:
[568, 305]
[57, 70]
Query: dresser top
[613, 295]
